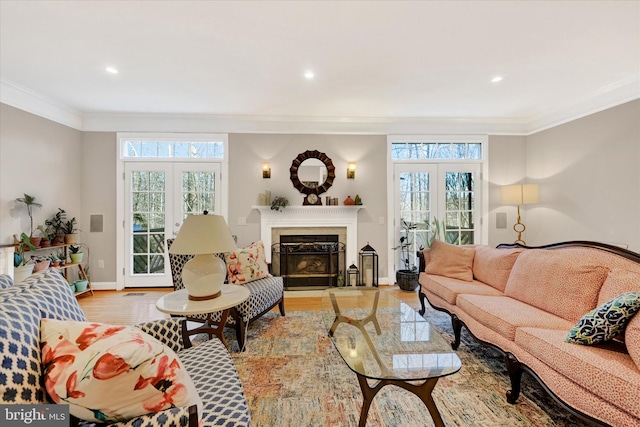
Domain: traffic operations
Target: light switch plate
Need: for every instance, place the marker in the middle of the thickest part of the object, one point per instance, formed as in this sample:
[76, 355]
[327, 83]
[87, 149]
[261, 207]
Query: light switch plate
[242, 220]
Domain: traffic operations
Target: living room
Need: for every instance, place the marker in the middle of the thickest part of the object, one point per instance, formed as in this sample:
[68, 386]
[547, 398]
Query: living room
[567, 116]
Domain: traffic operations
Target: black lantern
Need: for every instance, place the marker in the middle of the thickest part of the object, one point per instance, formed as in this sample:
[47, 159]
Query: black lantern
[352, 275]
[368, 266]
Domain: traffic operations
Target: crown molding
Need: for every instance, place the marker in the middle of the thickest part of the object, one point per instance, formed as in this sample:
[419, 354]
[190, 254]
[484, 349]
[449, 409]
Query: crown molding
[27, 100]
[609, 96]
[104, 122]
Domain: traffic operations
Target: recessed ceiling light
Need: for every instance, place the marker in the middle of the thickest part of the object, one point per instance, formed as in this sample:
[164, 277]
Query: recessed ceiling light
[308, 75]
[496, 79]
[112, 70]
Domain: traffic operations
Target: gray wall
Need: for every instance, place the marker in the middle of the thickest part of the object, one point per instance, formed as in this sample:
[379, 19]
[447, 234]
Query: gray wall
[589, 176]
[43, 159]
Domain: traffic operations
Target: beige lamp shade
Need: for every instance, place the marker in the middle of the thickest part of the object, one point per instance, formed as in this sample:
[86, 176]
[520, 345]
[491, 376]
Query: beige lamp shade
[519, 194]
[203, 236]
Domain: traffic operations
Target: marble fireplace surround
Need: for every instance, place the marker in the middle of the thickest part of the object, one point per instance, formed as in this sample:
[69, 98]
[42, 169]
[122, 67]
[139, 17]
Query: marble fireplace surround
[296, 220]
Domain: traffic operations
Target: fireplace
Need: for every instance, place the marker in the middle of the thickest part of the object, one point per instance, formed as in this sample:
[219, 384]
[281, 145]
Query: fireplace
[309, 261]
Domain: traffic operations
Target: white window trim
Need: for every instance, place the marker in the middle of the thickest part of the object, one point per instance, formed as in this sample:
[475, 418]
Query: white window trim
[484, 208]
[160, 136]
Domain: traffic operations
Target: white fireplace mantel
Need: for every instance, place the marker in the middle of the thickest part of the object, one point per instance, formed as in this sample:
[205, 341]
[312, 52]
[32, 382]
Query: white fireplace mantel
[311, 216]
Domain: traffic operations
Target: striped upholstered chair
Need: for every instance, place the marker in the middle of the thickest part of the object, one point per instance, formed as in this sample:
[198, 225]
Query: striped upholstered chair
[265, 294]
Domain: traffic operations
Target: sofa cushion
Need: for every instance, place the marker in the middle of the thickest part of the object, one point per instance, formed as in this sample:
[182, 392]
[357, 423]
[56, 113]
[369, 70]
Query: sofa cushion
[632, 339]
[51, 293]
[493, 266]
[619, 281]
[110, 373]
[565, 282]
[20, 373]
[451, 261]
[604, 369]
[5, 281]
[449, 289]
[504, 315]
[247, 264]
[605, 322]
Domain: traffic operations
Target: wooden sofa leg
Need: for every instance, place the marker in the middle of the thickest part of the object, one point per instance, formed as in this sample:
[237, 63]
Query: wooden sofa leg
[515, 375]
[456, 323]
[281, 306]
[423, 297]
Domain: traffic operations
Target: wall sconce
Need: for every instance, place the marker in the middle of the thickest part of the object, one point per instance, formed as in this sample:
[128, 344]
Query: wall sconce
[519, 194]
[266, 170]
[351, 170]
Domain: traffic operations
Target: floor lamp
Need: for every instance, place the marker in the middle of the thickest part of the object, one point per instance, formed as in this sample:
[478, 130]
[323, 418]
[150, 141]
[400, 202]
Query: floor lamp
[519, 194]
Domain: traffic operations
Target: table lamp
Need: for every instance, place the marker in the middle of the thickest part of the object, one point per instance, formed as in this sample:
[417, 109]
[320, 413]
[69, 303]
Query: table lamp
[519, 194]
[203, 236]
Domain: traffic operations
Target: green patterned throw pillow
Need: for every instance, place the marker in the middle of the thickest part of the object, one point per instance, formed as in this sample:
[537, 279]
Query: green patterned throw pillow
[605, 322]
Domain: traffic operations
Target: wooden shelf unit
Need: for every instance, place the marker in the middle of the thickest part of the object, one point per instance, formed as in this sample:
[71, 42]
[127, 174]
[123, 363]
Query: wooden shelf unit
[65, 268]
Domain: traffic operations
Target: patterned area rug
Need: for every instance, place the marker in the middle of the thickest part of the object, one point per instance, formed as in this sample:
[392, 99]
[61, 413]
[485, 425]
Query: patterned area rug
[293, 376]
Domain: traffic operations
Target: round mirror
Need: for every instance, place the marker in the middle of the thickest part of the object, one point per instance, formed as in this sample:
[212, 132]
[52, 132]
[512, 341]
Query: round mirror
[312, 173]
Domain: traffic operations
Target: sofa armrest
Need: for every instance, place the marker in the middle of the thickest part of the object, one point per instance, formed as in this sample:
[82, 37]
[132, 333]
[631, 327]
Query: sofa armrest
[167, 331]
[422, 264]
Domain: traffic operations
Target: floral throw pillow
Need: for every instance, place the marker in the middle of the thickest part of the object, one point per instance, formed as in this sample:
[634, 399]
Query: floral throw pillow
[111, 373]
[248, 264]
[605, 322]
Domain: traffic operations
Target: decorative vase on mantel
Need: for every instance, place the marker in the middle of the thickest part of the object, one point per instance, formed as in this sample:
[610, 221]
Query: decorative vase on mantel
[349, 201]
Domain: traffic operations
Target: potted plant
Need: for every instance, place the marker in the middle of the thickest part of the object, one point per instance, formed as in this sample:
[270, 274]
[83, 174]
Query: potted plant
[75, 254]
[55, 226]
[23, 268]
[407, 277]
[279, 203]
[70, 231]
[30, 201]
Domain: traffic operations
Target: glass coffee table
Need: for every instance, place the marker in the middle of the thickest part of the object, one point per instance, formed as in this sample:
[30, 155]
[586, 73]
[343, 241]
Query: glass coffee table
[384, 340]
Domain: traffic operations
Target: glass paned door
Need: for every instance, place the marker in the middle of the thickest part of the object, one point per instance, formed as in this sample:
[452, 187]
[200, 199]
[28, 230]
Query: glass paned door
[460, 194]
[158, 198]
[415, 205]
[425, 192]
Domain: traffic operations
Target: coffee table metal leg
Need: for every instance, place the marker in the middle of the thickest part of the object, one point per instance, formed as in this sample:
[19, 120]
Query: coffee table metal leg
[423, 391]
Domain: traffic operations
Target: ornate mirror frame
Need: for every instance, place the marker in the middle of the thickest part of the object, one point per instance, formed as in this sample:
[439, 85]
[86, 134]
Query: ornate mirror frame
[316, 191]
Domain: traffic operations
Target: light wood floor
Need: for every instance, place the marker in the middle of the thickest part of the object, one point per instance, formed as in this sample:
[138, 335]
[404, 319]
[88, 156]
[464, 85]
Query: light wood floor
[128, 307]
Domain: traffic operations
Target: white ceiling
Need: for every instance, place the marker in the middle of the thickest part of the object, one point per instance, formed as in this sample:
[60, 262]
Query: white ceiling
[374, 61]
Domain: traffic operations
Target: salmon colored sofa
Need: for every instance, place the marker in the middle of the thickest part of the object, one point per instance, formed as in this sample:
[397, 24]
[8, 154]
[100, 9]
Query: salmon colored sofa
[524, 300]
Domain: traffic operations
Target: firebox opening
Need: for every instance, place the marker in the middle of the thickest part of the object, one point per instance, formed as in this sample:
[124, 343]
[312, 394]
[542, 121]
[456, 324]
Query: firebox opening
[309, 261]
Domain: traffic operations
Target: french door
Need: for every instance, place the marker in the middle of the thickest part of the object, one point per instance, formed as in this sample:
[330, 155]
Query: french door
[158, 198]
[448, 193]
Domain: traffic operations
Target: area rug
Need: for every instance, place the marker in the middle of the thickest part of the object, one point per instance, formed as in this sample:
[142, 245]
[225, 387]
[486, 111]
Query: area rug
[293, 376]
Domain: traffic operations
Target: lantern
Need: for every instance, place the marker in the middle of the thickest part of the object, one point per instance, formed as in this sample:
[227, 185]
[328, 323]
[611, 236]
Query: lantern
[368, 266]
[352, 275]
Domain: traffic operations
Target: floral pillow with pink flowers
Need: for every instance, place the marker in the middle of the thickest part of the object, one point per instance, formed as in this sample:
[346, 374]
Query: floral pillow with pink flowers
[110, 373]
[248, 264]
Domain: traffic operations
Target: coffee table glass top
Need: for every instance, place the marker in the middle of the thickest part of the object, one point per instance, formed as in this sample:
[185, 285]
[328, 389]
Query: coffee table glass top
[381, 337]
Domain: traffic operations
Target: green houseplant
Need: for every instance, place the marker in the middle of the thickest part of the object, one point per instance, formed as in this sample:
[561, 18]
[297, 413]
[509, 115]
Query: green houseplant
[30, 202]
[23, 268]
[75, 254]
[70, 231]
[55, 226]
[279, 203]
[407, 277]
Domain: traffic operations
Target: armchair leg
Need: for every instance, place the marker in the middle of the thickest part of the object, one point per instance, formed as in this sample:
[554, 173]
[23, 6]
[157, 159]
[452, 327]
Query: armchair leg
[281, 306]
